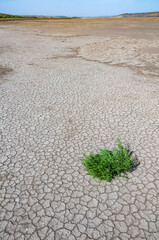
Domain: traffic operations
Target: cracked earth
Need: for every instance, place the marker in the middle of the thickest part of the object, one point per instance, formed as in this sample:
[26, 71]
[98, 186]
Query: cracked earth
[55, 105]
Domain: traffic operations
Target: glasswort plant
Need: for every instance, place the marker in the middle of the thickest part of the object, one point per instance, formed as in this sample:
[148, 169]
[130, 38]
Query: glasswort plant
[106, 164]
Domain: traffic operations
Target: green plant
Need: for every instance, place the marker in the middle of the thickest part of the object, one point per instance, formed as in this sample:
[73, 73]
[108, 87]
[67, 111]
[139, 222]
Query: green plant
[106, 164]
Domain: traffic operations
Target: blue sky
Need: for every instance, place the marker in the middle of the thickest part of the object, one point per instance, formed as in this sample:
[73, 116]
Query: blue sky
[77, 7]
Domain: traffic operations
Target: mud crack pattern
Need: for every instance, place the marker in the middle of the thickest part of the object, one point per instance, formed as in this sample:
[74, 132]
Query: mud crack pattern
[53, 109]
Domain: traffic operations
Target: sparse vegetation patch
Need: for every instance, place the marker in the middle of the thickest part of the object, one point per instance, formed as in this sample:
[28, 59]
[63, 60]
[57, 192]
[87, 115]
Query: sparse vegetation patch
[106, 164]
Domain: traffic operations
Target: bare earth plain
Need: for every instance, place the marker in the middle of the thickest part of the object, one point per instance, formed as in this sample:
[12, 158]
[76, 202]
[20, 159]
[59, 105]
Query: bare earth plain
[71, 86]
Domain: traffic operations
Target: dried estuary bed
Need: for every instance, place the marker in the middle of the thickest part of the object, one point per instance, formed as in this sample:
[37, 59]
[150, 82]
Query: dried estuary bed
[139, 54]
[56, 106]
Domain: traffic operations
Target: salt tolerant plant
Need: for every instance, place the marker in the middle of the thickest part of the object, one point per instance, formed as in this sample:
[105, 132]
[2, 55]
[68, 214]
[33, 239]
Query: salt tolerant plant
[107, 164]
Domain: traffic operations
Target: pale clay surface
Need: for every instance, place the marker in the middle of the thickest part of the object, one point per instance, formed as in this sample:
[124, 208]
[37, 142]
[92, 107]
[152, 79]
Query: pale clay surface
[56, 105]
[141, 54]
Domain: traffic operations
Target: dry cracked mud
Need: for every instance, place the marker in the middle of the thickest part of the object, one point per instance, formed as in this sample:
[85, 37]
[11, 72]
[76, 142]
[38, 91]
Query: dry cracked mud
[56, 105]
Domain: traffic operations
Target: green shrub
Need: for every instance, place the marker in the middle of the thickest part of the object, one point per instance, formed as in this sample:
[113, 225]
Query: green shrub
[106, 164]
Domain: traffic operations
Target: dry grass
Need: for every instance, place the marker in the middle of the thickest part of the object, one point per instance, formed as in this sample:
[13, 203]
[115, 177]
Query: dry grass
[128, 27]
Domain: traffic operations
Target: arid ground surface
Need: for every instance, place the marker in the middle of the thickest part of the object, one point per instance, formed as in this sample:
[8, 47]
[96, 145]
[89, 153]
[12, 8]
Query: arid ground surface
[73, 86]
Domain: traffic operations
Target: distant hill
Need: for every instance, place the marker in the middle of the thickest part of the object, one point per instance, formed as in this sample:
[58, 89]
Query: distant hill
[9, 16]
[133, 15]
[3, 15]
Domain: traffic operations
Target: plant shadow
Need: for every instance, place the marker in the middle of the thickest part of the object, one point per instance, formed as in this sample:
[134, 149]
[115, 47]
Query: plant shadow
[136, 161]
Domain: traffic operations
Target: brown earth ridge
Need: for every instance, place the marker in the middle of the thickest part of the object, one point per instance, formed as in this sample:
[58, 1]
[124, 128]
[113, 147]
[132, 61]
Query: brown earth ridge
[134, 15]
